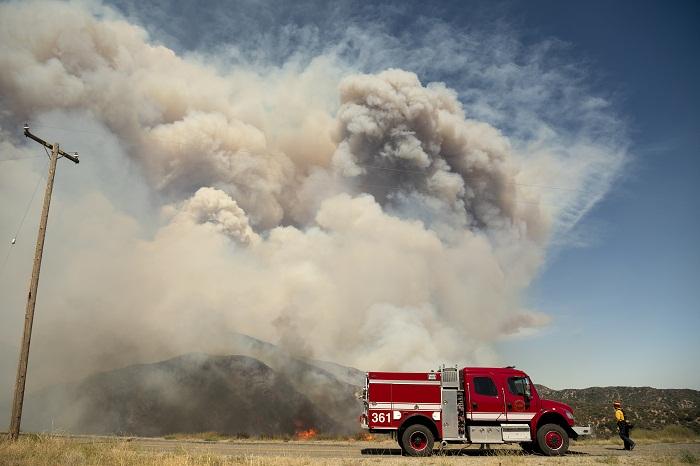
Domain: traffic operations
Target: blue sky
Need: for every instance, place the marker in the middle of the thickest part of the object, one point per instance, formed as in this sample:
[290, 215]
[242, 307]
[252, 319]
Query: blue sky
[628, 305]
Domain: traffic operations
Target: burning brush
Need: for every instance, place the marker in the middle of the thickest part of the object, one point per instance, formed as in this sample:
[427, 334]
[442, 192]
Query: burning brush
[308, 434]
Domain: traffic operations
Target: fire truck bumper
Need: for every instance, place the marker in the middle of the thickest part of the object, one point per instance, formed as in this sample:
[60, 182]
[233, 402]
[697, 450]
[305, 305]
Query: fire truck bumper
[582, 430]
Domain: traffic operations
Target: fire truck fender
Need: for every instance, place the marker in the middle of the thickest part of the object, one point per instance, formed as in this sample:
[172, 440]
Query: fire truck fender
[551, 416]
[419, 419]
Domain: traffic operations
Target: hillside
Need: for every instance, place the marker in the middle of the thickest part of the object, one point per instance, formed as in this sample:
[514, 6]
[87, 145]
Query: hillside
[648, 408]
[191, 393]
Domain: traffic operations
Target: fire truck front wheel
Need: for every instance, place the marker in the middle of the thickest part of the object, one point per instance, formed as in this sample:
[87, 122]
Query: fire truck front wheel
[552, 440]
[417, 440]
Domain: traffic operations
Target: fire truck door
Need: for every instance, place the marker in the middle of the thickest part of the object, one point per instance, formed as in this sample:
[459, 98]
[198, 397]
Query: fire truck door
[484, 398]
[519, 403]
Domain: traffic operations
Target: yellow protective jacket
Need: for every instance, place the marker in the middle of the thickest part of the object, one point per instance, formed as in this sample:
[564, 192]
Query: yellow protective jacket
[619, 416]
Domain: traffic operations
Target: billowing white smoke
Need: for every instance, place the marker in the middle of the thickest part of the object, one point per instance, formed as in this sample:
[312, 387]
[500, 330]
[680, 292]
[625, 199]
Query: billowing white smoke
[215, 207]
[386, 231]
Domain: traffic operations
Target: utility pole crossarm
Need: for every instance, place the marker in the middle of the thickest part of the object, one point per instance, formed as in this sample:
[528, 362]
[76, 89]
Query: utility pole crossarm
[72, 158]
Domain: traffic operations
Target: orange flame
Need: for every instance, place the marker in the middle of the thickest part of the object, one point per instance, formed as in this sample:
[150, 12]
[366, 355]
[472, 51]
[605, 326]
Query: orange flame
[306, 434]
[366, 436]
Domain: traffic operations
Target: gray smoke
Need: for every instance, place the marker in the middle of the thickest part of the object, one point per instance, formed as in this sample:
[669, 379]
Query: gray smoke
[347, 216]
[404, 140]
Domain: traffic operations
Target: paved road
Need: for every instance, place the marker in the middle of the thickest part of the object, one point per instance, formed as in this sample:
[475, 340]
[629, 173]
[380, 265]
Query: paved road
[321, 449]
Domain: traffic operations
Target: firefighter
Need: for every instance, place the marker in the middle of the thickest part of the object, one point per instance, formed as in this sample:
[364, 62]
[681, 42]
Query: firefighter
[623, 426]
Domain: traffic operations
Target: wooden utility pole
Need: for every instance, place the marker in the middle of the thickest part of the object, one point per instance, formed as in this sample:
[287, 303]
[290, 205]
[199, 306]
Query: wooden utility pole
[18, 400]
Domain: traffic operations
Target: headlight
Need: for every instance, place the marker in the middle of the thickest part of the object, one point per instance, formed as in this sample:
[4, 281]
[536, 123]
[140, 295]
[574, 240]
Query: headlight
[569, 415]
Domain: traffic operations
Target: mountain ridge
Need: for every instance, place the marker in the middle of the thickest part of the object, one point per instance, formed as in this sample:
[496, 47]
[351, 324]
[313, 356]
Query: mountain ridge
[647, 407]
[191, 393]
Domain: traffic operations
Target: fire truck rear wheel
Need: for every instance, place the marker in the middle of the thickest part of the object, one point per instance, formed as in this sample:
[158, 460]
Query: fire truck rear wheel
[417, 440]
[552, 440]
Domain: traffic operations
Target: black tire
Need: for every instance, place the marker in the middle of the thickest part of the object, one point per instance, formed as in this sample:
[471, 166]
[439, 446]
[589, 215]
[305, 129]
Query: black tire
[552, 440]
[530, 448]
[417, 440]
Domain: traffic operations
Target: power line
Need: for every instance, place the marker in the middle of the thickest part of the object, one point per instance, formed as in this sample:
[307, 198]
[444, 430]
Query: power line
[21, 223]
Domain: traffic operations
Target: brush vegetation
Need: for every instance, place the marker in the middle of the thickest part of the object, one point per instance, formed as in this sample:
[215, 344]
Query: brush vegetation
[648, 408]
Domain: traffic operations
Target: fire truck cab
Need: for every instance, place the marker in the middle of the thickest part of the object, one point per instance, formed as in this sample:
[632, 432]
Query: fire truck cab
[469, 405]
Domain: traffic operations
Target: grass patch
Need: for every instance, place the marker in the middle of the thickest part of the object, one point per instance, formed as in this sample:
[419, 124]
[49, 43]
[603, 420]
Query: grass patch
[669, 434]
[49, 451]
[687, 457]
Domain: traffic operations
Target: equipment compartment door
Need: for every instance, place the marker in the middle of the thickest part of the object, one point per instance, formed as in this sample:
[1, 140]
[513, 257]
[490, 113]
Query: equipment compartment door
[450, 423]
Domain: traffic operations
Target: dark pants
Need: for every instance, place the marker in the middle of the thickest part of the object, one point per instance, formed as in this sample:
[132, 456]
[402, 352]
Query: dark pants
[625, 435]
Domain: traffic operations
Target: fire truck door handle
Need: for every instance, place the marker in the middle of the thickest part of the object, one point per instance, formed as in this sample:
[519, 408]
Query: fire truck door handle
[510, 405]
[475, 405]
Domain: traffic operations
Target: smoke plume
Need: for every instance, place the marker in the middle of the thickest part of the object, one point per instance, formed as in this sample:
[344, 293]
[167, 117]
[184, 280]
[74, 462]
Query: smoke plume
[346, 212]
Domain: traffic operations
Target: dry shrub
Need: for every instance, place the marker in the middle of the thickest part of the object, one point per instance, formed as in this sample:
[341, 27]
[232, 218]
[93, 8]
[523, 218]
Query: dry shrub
[687, 457]
[50, 451]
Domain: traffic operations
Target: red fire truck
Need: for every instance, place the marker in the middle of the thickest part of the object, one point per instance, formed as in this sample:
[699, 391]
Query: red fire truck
[470, 405]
